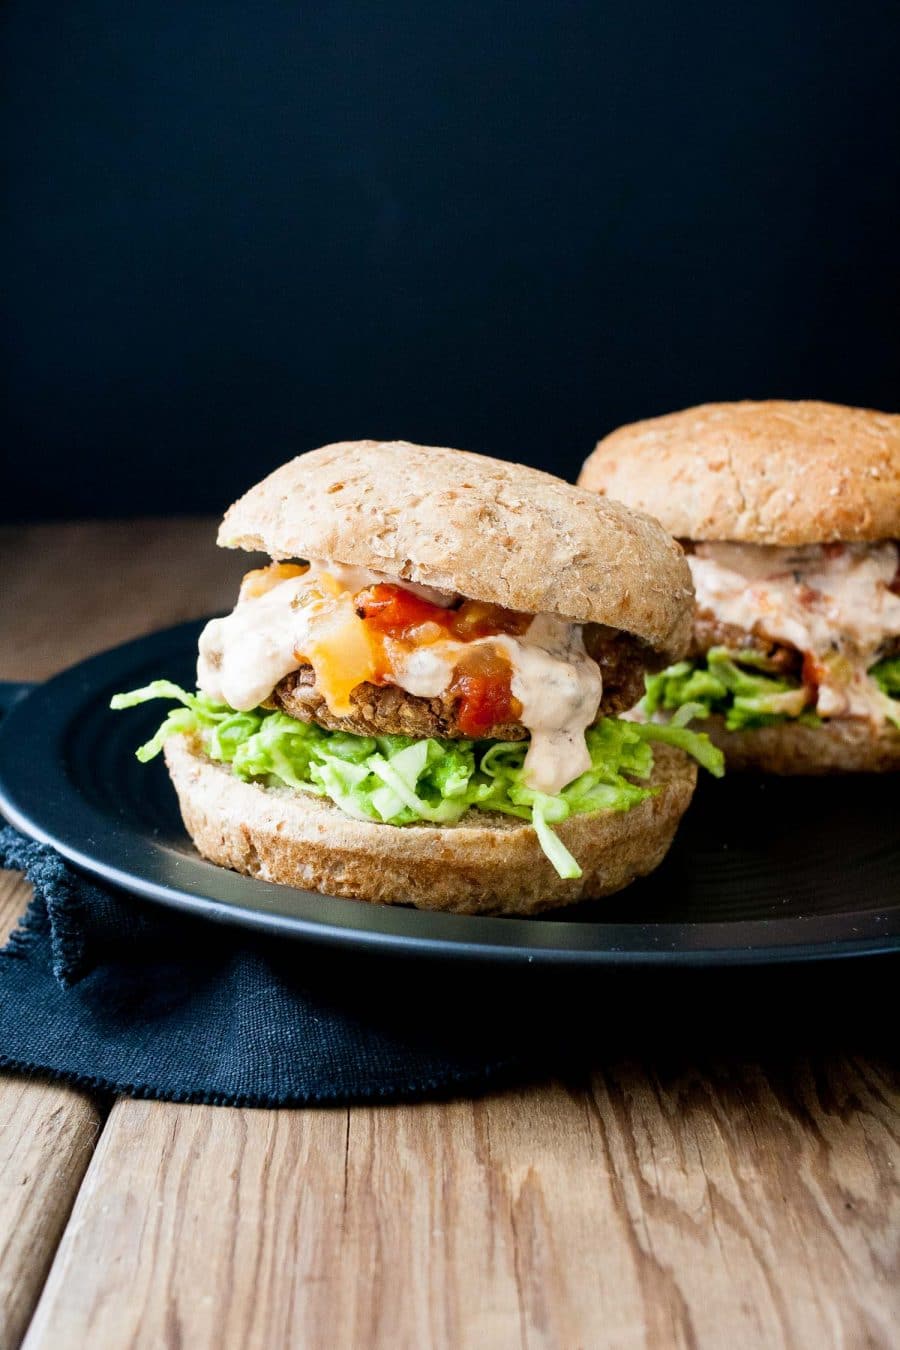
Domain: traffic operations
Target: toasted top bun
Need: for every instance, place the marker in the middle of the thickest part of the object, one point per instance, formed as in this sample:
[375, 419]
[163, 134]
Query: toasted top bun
[760, 473]
[482, 527]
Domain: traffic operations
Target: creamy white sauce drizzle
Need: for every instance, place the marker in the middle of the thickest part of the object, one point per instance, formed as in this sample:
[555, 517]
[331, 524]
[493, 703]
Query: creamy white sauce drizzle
[245, 655]
[359, 578]
[835, 605]
[554, 679]
[559, 688]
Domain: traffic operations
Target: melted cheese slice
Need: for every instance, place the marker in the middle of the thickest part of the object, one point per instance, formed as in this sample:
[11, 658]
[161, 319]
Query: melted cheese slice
[341, 653]
[245, 655]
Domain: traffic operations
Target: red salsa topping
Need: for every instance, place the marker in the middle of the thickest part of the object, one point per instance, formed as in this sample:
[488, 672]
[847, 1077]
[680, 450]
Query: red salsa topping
[481, 680]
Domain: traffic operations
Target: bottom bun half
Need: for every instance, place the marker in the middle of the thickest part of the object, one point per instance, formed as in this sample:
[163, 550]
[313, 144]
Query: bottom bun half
[842, 745]
[485, 864]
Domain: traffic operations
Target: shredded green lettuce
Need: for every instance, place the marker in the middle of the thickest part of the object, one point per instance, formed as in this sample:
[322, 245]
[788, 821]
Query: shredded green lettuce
[886, 675]
[739, 685]
[742, 687]
[397, 780]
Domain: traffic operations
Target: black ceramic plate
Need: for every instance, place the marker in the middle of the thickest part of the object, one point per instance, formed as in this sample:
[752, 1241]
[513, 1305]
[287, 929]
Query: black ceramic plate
[761, 870]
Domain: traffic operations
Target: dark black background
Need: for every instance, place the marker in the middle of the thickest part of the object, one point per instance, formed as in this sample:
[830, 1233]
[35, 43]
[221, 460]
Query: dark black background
[238, 230]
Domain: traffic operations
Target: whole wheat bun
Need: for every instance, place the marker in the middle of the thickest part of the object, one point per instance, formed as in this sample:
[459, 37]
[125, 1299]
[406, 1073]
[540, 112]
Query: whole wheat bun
[775, 472]
[841, 745]
[485, 528]
[485, 864]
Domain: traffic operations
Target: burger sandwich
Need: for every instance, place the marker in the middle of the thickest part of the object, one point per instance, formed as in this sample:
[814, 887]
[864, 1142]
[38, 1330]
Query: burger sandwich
[790, 515]
[415, 701]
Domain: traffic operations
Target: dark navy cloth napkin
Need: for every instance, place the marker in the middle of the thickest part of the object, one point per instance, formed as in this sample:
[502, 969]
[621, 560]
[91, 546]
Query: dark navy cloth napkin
[110, 992]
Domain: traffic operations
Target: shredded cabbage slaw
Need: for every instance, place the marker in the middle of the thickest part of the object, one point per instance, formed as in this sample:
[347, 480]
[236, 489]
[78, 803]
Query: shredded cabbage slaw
[742, 687]
[397, 780]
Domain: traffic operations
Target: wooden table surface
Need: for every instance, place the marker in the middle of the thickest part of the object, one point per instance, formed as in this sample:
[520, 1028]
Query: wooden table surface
[724, 1174]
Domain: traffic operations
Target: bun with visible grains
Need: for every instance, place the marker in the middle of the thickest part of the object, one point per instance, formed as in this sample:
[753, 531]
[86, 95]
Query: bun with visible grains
[841, 745]
[773, 472]
[486, 528]
[483, 864]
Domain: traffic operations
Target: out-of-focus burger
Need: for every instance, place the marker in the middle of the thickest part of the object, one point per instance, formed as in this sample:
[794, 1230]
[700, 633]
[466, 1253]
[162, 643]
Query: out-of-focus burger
[415, 701]
[790, 514]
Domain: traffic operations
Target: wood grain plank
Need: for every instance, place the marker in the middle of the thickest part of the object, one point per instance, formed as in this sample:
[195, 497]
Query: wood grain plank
[200, 1226]
[47, 1135]
[14, 896]
[70, 590]
[73, 589]
[764, 1208]
[702, 1211]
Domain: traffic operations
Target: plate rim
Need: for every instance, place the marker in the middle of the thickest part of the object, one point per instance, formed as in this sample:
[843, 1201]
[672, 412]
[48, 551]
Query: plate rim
[715, 942]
